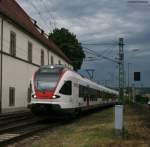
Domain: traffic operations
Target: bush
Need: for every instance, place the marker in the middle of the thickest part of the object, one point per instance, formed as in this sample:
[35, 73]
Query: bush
[141, 99]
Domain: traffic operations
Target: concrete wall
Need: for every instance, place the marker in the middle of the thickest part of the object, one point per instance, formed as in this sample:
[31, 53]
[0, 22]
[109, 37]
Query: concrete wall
[16, 74]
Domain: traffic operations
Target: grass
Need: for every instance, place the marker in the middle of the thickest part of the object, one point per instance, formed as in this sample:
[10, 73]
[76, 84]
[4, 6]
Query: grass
[97, 130]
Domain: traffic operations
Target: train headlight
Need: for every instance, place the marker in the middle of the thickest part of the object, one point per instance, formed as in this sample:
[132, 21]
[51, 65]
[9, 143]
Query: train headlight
[52, 66]
[34, 96]
[55, 96]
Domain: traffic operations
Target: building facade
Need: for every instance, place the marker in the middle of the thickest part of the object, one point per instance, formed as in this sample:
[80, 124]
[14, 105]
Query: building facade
[23, 48]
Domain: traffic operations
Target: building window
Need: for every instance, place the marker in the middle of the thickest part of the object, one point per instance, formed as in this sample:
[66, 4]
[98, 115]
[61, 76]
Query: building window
[59, 62]
[42, 57]
[66, 88]
[52, 60]
[48, 56]
[12, 43]
[11, 96]
[30, 52]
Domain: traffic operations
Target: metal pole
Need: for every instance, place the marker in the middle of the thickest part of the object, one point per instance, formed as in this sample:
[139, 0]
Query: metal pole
[133, 92]
[121, 70]
[119, 108]
[129, 81]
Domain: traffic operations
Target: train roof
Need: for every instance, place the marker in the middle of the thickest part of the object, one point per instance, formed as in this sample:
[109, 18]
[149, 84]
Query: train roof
[53, 66]
[95, 84]
[81, 77]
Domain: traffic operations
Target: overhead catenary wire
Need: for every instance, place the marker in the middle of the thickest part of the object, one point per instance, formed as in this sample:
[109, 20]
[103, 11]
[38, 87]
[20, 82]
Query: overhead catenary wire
[43, 11]
[52, 19]
[100, 43]
[36, 9]
[39, 13]
[96, 57]
[100, 55]
[93, 57]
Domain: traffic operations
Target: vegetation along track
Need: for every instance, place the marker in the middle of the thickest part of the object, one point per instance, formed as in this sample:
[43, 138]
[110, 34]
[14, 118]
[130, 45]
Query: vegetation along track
[17, 126]
[14, 127]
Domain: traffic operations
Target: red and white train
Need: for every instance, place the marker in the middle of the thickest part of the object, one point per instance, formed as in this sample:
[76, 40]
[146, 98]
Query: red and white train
[57, 88]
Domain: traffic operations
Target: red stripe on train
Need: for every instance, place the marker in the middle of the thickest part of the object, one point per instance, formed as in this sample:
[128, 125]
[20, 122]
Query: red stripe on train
[44, 94]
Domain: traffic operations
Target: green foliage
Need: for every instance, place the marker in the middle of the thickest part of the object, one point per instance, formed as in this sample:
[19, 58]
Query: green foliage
[141, 99]
[69, 44]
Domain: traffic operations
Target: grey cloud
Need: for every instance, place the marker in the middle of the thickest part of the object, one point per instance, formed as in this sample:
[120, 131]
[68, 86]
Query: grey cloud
[101, 21]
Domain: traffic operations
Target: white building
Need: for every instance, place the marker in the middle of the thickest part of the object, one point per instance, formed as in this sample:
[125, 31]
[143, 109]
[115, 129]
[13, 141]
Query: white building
[23, 48]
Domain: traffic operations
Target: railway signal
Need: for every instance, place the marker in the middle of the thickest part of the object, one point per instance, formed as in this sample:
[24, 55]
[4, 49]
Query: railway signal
[137, 76]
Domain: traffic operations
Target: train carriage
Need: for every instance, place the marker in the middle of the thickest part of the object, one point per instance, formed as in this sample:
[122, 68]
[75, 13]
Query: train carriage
[57, 88]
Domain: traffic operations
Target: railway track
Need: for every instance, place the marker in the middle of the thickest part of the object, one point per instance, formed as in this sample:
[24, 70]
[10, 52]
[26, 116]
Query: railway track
[14, 127]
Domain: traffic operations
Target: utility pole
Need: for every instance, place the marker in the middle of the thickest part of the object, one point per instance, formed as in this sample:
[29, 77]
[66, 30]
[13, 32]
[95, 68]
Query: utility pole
[121, 70]
[129, 89]
[119, 124]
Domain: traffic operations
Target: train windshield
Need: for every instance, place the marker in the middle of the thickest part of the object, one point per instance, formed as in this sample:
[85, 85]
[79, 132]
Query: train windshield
[46, 78]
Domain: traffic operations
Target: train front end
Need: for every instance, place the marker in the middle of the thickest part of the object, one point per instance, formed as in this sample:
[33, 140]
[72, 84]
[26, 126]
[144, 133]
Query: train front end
[44, 84]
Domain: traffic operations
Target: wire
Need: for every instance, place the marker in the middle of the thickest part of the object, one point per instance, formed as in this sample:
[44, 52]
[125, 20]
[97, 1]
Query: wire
[100, 55]
[98, 44]
[39, 13]
[108, 52]
[51, 17]
[55, 25]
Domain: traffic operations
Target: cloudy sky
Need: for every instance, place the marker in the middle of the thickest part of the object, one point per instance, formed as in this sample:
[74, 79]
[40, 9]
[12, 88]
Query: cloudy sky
[100, 23]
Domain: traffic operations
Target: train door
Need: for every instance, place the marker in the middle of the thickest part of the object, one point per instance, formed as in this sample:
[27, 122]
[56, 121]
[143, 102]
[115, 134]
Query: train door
[88, 101]
[75, 89]
[87, 96]
[67, 91]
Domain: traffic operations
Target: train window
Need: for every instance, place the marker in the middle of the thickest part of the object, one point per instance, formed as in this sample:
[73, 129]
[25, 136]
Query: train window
[46, 80]
[102, 94]
[81, 91]
[86, 91]
[66, 88]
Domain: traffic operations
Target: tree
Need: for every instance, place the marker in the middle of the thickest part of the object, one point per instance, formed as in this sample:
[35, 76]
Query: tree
[69, 44]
